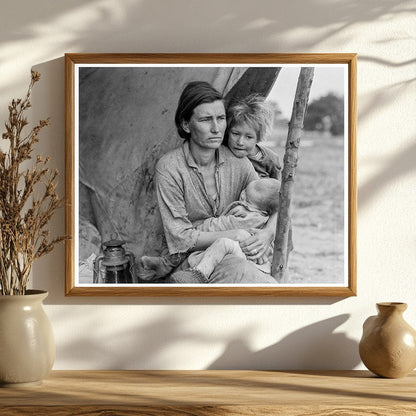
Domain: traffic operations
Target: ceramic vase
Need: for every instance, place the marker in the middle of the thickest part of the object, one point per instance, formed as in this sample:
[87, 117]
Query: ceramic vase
[388, 345]
[27, 347]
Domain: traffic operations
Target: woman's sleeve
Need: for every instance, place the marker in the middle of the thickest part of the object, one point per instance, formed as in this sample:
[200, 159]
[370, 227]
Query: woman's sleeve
[230, 222]
[180, 234]
[221, 223]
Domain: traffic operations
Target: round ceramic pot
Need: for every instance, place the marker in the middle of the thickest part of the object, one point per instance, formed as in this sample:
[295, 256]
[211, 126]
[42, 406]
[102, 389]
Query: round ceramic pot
[27, 347]
[388, 345]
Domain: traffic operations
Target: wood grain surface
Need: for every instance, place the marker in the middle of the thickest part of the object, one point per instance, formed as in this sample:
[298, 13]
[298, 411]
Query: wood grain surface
[204, 393]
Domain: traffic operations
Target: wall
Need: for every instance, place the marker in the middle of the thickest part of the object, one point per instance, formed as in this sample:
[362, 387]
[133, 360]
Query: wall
[199, 333]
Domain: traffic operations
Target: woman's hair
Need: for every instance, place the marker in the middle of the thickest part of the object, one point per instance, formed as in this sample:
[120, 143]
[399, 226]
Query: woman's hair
[194, 94]
[252, 110]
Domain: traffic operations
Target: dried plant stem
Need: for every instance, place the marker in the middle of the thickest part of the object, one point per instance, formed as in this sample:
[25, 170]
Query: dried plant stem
[23, 217]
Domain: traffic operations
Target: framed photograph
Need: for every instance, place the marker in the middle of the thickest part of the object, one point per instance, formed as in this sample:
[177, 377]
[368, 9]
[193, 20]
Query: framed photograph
[211, 174]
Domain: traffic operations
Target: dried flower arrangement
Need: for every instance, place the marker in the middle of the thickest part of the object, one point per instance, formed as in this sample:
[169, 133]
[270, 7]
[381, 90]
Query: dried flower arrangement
[28, 200]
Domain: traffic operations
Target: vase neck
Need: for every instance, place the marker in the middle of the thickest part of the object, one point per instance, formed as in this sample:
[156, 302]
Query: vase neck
[389, 308]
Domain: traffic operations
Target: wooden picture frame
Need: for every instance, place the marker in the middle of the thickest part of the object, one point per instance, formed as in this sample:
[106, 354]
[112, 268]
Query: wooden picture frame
[104, 106]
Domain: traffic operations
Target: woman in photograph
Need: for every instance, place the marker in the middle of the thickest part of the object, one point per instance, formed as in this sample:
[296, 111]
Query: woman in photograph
[198, 180]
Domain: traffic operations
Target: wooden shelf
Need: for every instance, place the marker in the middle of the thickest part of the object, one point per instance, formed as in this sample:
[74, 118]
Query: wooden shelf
[253, 393]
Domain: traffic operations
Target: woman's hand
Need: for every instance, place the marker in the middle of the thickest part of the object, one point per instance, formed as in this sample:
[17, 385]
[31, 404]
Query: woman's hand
[257, 244]
[240, 235]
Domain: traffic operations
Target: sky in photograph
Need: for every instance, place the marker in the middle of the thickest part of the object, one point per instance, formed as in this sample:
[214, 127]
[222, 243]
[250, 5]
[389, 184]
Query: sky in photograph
[326, 79]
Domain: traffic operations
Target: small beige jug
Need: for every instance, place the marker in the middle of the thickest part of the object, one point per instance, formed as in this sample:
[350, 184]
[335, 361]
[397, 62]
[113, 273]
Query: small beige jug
[388, 345]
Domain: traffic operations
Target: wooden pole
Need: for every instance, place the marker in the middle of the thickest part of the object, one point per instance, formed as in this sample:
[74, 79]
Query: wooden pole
[290, 161]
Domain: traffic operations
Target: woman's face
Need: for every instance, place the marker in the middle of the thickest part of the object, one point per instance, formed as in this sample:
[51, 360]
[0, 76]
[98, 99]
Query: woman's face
[242, 140]
[207, 125]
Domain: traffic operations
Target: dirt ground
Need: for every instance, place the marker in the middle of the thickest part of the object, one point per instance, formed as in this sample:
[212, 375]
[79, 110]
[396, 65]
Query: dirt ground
[317, 210]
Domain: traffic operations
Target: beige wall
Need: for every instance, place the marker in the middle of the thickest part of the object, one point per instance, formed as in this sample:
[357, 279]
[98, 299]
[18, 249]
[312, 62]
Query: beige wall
[197, 333]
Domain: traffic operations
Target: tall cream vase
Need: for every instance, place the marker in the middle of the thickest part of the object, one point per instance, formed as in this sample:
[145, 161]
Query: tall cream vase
[27, 346]
[27, 203]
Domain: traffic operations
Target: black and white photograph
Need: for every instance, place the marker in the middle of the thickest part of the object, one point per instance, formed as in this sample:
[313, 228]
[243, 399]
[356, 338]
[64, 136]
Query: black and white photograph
[210, 176]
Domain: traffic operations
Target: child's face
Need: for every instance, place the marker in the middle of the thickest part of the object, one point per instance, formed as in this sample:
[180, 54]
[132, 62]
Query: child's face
[242, 140]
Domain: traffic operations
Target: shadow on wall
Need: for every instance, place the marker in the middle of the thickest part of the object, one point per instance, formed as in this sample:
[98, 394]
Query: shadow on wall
[48, 100]
[381, 98]
[130, 18]
[313, 347]
[106, 26]
[396, 167]
[141, 347]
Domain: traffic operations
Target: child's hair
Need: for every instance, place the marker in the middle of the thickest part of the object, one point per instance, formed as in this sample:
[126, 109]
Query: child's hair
[252, 110]
[266, 194]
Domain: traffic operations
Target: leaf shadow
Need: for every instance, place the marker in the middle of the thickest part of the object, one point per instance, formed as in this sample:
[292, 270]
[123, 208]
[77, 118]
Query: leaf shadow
[316, 346]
